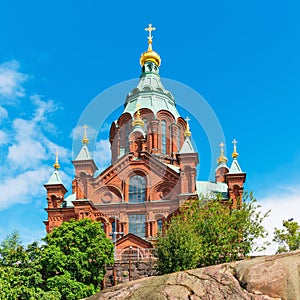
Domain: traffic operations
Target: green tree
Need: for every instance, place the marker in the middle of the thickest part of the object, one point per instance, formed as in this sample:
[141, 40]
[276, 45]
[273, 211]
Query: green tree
[70, 265]
[74, 258]
[208, 233]
[20, 276]
[288, 238]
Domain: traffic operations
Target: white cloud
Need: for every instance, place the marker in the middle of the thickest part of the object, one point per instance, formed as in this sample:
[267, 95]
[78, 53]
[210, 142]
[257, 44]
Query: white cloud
[102, 154]
[3, 138]
[78, 132]
[26, 162]
[284, 204]
[20, 189]
[3, 113]
[11, 81]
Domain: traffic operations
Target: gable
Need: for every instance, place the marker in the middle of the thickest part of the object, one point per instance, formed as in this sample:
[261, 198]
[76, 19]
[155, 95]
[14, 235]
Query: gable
[131, 239]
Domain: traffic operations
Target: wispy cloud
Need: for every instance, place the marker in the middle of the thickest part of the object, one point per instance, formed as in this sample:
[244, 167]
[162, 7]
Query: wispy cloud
[102, 154]
[11, 80]
[283, 201]
[28, 148]
[77, 132]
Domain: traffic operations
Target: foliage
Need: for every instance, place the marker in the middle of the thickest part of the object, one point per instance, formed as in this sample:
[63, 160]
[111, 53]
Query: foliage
[288, 238]
[70, 265]
[208, 233]
[20, 276]
[79, 248]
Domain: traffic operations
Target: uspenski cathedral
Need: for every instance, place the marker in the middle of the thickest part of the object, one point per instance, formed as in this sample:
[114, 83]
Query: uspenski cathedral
[152, 171]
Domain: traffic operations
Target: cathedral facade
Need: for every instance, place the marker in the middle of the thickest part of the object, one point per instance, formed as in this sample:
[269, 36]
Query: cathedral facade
[152, 171]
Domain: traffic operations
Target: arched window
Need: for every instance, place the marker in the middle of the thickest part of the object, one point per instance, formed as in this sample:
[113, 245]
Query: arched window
[137, 189]
[163, 137]
[102, 226]
[145, 125]
[178, 138]
[159, 225]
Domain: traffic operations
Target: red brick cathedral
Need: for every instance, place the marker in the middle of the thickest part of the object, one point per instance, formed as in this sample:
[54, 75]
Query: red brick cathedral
[152, 171]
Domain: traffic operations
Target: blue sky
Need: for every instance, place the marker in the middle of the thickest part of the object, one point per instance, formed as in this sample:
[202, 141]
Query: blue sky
[56, 56]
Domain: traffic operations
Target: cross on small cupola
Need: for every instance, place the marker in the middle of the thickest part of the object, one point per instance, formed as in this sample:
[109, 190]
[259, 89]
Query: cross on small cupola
[56, 164]
[85, 140]
[234, 153]
[187, 132]
[222, 158]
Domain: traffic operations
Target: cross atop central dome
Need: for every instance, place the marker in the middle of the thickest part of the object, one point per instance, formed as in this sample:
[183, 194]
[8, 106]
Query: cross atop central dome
[150, 55]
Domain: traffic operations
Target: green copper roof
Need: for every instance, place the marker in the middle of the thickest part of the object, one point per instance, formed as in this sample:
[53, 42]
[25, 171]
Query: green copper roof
[69, 200]
[84, 154]
[208, 189]
[54, 179]
[151, 94]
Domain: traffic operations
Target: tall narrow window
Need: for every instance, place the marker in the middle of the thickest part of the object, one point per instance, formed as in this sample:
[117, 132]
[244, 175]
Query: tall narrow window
[126, 137]
[113, 226]
[159, 225]
[178, 138]
[137, 224]
[163, 137]
[137, 189]
[145, 125]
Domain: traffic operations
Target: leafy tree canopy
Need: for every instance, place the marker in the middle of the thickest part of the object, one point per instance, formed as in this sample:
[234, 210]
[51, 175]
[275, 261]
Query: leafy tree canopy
[70, 265]
[210, 232]
[288, 238]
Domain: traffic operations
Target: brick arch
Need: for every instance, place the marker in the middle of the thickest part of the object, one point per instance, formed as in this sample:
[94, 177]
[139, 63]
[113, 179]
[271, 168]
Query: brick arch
[181, 123]
[137, 171]
[107, 194]
[113, 130]
[160, 217]
[124, 118]
[163, 190]
[165, 115]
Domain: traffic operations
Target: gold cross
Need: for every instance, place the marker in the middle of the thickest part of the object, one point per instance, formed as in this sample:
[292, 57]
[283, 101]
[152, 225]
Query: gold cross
[85, 127]
[187, 119]
[234, 142]
[222, 148]
[150, 29]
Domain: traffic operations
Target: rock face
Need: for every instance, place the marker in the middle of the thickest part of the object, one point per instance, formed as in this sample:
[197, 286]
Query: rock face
[263, 278]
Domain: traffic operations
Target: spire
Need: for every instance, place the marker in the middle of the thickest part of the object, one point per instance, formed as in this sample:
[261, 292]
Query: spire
[150, 55]
[55, 177]
[137, 119]
[85, 140]
[222, 158]
[187, 132]
[235, 167]
[234, 153]
[56, 164]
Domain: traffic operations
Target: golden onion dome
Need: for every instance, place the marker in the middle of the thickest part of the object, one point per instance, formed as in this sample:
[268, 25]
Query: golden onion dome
[56, 164]
[85, 140]
[222, 158]
[150, 55]
[137, 120]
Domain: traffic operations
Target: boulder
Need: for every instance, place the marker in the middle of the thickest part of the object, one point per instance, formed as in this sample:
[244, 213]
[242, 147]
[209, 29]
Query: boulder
[263, 278]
